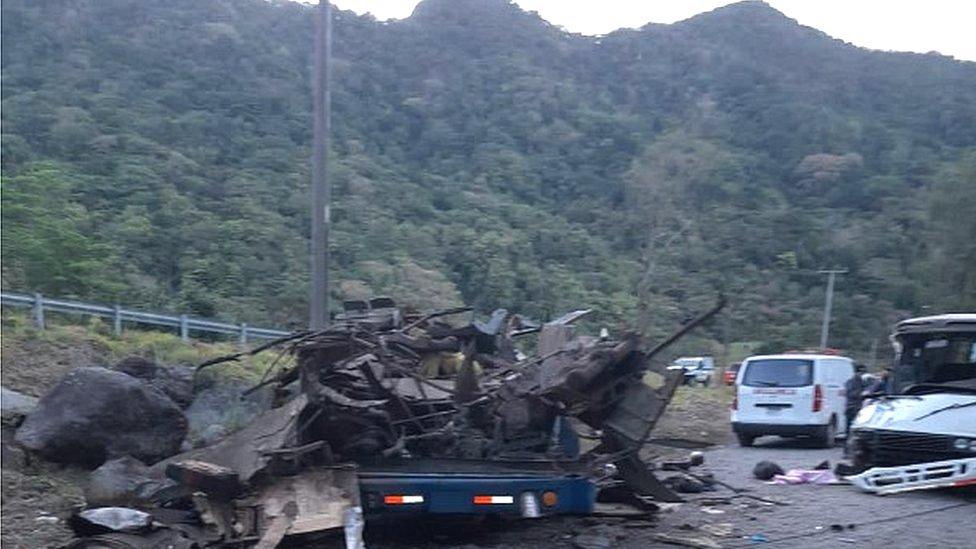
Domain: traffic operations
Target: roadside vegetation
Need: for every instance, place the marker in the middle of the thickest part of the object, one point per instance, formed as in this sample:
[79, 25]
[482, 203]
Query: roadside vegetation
[155, 154]
[34, 360]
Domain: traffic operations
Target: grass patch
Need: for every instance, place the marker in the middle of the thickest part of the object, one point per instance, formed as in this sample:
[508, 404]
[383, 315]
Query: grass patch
[89, 341]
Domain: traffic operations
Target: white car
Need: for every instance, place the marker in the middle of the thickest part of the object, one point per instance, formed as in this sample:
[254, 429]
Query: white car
[791, 395]
[696, 369]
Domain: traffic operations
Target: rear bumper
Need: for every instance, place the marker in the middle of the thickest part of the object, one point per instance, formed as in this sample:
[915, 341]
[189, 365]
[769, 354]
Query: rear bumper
[759, 429]
[455, 493]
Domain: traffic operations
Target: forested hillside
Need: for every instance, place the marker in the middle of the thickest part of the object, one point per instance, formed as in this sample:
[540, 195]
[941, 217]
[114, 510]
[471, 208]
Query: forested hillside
[156, 154]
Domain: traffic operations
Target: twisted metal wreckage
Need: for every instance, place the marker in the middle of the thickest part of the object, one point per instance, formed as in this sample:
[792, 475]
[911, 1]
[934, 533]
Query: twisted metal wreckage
[380, 390]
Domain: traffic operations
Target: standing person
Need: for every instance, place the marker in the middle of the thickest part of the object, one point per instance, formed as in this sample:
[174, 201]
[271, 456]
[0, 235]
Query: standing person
[884, 385]
[854, 389]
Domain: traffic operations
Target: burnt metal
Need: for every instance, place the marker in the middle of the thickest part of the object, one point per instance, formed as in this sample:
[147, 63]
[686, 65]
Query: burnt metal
[376, 389]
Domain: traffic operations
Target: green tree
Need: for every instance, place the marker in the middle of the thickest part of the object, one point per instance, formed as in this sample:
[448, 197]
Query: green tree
[46, 237]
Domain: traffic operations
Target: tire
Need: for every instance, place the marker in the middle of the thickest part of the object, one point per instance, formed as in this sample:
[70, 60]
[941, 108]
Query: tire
[745, 440]
[706, 382]
[828, 434]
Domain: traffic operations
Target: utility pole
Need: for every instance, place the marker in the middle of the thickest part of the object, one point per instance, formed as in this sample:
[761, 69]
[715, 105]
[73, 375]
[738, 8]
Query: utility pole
[318, 302]
[828, 305]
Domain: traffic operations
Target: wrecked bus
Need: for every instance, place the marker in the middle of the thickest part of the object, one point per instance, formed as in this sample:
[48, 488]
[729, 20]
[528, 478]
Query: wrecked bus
[923, 434]
[390, 413]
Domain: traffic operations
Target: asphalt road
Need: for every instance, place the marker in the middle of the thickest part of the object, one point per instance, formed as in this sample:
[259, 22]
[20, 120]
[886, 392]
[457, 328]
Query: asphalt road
[928, 518]
[936, 519]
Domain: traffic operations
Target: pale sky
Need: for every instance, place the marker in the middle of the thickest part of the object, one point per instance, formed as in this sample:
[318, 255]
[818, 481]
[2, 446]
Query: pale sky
[945, 26]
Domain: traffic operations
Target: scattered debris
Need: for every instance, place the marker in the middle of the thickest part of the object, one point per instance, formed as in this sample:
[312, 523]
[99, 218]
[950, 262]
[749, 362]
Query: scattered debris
[843, 470]
[764, 500]
[715, 500]
[686, 485]
[389, 388]
[123, 481]
[688, 540]
[759, 538]
[102, 520]
[163, 537]
[720, 530]
[710, 480]
[592, 541]
[766, 470]
[219, 409]
[621, 510]
[694, 459]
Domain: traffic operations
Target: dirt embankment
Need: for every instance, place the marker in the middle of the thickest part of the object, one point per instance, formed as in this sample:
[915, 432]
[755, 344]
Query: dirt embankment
[36, 500]
[698, 413]
[33, 365]
[37, 497]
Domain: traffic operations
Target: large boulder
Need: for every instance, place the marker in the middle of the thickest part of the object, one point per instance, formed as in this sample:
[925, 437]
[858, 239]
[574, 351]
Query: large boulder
[175, 381]
[95, 414]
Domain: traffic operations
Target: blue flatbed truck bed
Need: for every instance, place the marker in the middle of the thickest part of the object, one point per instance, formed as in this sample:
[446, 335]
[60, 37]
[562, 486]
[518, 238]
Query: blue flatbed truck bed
[473, 487]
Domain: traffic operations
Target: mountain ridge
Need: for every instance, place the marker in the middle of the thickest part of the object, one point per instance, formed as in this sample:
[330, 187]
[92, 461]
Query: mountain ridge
[503, 165]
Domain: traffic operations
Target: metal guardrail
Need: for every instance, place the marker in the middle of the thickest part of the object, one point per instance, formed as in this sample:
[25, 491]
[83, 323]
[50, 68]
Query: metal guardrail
[40, 304]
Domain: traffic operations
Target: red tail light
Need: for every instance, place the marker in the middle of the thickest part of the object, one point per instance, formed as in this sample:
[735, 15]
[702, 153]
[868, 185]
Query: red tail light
[817, 398]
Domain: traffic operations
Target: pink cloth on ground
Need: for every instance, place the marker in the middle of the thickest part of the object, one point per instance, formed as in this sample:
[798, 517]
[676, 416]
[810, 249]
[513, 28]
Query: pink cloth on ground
[805, 476]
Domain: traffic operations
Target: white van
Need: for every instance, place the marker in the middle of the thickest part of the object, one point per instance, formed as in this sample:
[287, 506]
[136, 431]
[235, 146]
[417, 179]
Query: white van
[791, 395]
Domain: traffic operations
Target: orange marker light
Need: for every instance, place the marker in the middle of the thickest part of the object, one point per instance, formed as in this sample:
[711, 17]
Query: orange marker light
[550, 499]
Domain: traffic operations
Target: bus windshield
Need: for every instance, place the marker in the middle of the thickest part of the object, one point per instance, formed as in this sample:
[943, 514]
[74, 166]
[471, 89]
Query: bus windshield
[936, 358]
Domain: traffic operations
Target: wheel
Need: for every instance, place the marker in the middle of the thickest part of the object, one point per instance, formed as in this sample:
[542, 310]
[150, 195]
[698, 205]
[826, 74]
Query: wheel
[706, 381]
[745, 440]
[828, 435]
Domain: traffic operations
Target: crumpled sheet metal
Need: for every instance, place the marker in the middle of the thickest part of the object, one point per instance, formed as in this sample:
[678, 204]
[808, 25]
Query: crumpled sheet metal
[246, 451]
[116, 519]
[410, 388]
[585, 364]
[318, 498]
[634, 416]
[163, 538]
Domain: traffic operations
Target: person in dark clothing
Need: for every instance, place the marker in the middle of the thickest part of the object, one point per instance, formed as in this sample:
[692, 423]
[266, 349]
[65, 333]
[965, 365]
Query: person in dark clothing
[854, 389]
[885, 385]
